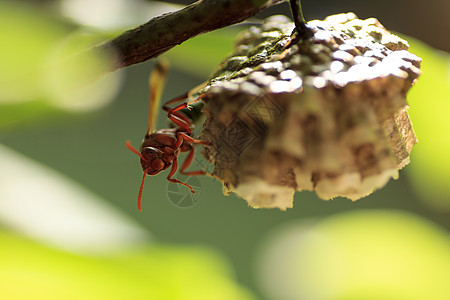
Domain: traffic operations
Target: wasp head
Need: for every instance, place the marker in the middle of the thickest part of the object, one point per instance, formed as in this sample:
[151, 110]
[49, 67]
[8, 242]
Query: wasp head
[152, 160]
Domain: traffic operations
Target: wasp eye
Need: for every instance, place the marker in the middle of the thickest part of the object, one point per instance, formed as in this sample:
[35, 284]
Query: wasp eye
[151, 153]
[157, 164]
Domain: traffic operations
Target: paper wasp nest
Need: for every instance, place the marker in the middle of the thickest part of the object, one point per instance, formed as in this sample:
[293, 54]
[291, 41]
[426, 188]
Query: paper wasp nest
[326, 112]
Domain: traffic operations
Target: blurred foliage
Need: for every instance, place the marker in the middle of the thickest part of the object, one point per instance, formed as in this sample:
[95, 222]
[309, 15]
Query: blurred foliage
[387, 255]
[42, 70]
[30, 37]
[29, 270]
[202, 54]
[26, 113]
[429, 101]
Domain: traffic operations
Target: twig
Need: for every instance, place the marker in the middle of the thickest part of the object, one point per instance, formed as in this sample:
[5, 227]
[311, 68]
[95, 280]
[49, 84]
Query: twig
[297, 14]
[164, 32]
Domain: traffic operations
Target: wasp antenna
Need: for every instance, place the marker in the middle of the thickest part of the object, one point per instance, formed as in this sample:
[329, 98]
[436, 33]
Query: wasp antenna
[129, 146]
[140, 191]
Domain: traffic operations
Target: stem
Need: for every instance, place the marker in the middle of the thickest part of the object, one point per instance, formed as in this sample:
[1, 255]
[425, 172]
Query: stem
[297, 14]
[164, 32]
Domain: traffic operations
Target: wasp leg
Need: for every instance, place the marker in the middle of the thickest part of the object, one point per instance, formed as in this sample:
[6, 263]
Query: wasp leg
[180, 106]
[178, 118]
[187, 162]
[186, 95]
[181, 137]
[177, 99]
[190, 139]
[175, 180]
[181, 121]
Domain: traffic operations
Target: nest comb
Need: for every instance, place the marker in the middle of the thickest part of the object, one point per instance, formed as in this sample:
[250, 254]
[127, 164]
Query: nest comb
[325, 112]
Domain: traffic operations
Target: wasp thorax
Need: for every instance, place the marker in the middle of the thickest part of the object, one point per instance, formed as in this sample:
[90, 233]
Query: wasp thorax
[325, 113]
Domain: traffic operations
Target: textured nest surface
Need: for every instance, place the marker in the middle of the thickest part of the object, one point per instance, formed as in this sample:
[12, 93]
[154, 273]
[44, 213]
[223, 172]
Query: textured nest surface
[324, 112]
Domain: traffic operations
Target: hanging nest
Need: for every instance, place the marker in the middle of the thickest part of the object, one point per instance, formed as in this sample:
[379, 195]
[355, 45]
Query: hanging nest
[325, 112]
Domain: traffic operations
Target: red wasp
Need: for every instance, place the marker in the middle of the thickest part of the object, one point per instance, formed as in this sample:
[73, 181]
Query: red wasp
[160, 148]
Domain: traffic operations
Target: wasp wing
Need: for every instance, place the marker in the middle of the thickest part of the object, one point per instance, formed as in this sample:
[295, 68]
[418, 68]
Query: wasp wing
[157, 80]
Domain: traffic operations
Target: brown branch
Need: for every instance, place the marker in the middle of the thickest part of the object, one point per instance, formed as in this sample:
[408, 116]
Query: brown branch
[164, 32]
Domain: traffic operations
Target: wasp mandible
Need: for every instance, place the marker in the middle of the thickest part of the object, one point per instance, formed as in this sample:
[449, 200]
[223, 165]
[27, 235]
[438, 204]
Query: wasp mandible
[160, 148]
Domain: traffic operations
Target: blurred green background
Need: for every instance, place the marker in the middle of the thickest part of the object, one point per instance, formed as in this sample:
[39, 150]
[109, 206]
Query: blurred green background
[69, 226]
